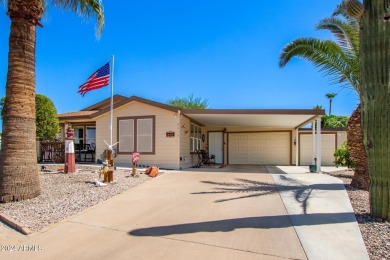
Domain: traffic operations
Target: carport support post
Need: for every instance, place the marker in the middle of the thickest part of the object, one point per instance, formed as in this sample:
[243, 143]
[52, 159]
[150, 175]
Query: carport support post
[314, 151]
[318, 146]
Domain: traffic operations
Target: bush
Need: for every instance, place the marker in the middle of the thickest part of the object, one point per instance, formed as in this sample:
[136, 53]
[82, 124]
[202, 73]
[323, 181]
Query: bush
[333, 121]
[46, 118]
[342, 156]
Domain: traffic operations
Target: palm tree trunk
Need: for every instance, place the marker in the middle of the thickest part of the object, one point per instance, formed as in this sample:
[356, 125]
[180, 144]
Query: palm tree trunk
[375, 96]
[19, 177]
[330, 106]
[360, 179]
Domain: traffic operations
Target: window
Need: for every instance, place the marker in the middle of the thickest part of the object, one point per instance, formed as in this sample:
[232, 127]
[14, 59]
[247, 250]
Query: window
[91, 135]
[136, 134]
[195, 138]
[79, 135]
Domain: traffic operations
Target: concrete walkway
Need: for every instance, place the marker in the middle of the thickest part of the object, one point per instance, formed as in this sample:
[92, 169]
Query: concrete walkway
[227, 213]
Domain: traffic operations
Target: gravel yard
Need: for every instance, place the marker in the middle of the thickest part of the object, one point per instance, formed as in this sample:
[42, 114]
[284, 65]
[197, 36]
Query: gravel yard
[66, 194]
[375, 231]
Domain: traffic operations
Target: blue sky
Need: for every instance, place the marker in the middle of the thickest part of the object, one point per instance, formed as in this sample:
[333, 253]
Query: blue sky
[222, 50]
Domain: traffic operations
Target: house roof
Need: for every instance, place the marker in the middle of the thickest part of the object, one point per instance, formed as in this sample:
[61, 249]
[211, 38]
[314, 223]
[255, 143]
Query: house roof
[104, 106]
[267, 118]
[138, 99]
[77, 115]
[105, 103]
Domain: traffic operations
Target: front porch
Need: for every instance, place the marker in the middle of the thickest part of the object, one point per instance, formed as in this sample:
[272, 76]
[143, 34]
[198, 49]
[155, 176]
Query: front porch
[55, 152]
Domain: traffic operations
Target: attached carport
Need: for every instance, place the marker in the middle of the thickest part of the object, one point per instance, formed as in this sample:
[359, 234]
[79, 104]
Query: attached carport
[261, 136]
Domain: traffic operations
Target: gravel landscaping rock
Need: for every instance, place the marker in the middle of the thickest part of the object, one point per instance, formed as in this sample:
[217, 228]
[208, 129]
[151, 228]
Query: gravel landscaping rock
[375, 231]
[66, 194]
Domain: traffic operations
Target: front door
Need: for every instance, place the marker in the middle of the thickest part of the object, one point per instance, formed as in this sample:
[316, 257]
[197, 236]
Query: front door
[216, 146]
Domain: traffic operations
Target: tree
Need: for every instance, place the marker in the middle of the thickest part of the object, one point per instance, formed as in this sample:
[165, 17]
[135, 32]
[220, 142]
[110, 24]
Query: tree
[356, 150]
[317, 107]
[330, 96]
[19, 178]
[340, 61]
[333, 121]
[46, 120]
[190, 102]
[374, 91]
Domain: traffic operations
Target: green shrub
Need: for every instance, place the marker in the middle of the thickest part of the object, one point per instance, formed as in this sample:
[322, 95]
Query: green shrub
[333, 121]
[342, 156]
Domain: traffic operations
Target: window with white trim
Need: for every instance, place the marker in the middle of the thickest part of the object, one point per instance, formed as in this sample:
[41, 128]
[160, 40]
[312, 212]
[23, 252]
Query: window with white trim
[195, 137]
[136, 134]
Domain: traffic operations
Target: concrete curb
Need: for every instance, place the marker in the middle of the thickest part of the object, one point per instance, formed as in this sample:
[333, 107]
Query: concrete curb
[13, 223]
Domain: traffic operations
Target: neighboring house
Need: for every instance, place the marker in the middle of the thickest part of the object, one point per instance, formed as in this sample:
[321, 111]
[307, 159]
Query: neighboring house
[169, 137]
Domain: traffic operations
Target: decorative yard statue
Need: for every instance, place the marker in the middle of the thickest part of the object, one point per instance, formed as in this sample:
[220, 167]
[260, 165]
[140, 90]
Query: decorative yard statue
[134, 160]
[70, 162]
[104, 170]
[110, 172]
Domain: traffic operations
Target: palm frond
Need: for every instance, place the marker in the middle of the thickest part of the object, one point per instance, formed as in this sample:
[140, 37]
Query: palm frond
[327, 55]
[338, 59]
[341, 11]
[347, 34]
[86, 8]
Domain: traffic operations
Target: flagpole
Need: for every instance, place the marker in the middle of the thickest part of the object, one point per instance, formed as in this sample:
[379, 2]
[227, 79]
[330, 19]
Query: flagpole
[112, 98]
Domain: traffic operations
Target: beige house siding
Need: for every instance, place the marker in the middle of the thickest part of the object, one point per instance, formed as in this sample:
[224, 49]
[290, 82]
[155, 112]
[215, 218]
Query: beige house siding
[166, 148]
[341, 137]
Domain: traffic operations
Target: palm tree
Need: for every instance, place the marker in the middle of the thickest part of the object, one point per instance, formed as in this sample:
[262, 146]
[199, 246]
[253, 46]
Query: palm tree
[340, 61]
[330, 96]
[19, 178]
[374, 91]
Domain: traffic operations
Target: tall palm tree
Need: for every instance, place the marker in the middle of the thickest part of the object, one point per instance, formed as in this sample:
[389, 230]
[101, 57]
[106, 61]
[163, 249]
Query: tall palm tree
[317, 107]
[330, 96]
[374, 91]
[339, 60]
[19, 178]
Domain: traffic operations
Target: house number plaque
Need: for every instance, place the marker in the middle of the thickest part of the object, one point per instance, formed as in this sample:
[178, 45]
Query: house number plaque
[170, 134]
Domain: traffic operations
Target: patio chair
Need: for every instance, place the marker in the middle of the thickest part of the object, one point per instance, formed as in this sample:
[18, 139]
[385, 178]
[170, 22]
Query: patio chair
[204, 158]
[90, 151]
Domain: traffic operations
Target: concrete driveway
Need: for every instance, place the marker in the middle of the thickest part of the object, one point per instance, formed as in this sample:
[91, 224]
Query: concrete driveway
[226, 213]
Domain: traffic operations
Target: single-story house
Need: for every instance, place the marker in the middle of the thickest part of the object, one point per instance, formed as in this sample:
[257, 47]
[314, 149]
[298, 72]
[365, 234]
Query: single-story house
[170, 137]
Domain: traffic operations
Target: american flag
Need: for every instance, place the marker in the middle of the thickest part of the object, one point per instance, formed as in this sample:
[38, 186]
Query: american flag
[98, 79]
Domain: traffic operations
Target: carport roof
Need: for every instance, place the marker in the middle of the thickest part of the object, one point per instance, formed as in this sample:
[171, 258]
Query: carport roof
[266, 118]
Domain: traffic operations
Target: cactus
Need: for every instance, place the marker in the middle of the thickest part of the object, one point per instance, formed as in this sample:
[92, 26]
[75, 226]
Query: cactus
[354, 8]
[375, 96]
